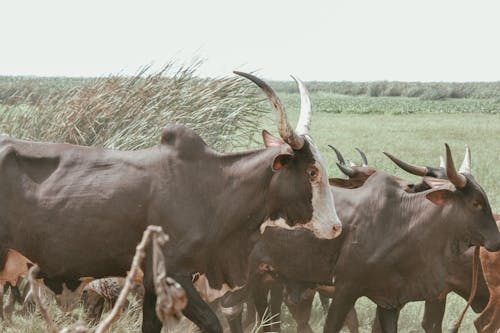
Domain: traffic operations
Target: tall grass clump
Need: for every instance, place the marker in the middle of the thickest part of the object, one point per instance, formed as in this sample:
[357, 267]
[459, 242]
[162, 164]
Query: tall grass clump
[129, 112]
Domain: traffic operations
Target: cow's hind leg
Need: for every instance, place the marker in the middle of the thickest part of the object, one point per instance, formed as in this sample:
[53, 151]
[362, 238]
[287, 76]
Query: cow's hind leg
[388, 319]
[197, 310]
[433, 315]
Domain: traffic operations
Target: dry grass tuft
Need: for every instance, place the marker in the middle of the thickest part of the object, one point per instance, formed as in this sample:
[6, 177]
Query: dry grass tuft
[129, 112]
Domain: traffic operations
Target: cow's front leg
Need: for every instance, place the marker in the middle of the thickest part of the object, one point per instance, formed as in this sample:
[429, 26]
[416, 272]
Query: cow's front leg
[150, 322]
[197, 310]
[232, 308]
[343, 301]
[433, 315]
[388, 319]
[301, 312]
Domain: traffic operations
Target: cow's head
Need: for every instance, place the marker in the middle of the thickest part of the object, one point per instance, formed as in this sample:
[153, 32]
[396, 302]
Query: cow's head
[299, 195]
[357, 175]
[465, 196]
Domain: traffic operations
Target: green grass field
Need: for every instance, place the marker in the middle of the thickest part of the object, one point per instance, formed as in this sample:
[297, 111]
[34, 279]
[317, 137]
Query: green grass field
[413, 129]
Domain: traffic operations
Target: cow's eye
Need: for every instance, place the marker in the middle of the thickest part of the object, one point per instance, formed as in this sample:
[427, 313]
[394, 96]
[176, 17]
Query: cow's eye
[477, 205]
[314, 174]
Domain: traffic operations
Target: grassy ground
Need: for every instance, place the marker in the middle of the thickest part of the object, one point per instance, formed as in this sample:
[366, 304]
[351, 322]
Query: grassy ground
[412, 129]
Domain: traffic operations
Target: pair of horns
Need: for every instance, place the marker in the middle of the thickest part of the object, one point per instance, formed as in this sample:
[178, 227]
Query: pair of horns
[456, 178]
[288, 134]
[341, 163]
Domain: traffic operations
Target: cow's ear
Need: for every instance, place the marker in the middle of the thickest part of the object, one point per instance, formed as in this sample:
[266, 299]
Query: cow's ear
[270, 140]
[438, 182]
[281, 160]
[439, 197]
[339, 182]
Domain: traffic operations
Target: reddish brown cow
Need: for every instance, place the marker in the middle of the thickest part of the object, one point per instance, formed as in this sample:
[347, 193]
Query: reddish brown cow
[489, 320]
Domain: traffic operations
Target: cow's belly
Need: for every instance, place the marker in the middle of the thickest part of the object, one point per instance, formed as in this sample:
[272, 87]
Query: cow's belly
[85, 230]
[396, 292]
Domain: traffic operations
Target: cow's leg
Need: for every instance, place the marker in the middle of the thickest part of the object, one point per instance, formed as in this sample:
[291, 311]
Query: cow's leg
[325, 303]
[376, 324]
[231, 305]
[233, 316]
[301, 312]
[251, 313]
[433, 315]
[352, 321]
[489, 320]
[150, 322]
[13, 295]
[388, 319]
[2, 291]
[275, 306]
[197, 310]
[259, 295]
[342, 303]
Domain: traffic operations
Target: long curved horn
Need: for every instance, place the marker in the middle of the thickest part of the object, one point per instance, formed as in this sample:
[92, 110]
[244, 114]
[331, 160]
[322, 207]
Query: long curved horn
[304, 123]
[339, 155]
[346, 170]
[454, 177]
[363, 157]
[466, 164]
[285, 130]
[413, 169]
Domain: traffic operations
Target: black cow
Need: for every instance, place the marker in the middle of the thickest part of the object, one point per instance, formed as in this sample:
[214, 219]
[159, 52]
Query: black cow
[79, 211]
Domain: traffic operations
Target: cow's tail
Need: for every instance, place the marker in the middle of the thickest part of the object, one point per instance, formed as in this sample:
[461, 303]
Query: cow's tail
[475, 269]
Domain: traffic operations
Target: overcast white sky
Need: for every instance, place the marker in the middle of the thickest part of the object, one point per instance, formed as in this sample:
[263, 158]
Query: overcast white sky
[429, 40]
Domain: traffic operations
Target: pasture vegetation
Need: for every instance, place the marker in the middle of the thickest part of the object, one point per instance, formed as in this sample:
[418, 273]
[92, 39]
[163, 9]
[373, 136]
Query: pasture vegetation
[410, 120]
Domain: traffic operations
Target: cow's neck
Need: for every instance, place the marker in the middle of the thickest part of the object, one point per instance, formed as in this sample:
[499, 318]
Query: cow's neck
[241, 208]
[247, 177]
[436, 225]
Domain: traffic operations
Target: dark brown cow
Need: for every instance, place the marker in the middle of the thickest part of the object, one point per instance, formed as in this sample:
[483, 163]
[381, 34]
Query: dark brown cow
[401, 244]
[274, 275]
[459, 278]
[388, 250]
[79, 211]
[399, 204]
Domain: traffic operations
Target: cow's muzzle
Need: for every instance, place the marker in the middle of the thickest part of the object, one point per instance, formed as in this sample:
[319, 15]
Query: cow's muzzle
[492, 246]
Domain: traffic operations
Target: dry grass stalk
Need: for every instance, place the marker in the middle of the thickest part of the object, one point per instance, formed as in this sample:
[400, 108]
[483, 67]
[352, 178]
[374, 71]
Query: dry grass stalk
[35, 288]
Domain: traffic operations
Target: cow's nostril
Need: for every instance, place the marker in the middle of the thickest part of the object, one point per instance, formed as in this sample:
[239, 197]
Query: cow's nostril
[337, 229]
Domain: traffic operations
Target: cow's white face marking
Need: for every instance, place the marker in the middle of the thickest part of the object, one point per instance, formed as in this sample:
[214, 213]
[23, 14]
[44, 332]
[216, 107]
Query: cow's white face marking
[209, 294]
[325, 223]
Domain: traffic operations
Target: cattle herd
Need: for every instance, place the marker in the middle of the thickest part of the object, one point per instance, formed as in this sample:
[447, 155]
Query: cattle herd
[260, 227]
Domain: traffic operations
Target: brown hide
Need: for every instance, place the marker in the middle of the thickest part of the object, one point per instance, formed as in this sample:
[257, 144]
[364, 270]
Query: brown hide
[489, 319]
[16, 265]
